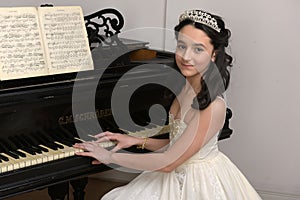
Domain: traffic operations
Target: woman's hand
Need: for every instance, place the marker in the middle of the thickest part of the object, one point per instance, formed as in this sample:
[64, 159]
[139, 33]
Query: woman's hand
[92, 149]
[122, 140]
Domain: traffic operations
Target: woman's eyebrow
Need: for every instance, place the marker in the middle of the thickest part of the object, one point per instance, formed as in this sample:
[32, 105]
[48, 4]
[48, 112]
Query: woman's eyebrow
[199, 44]
[180, 41]
[194, 44]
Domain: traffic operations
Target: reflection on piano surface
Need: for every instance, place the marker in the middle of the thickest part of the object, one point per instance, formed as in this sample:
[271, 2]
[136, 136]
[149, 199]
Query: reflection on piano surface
[37, 125]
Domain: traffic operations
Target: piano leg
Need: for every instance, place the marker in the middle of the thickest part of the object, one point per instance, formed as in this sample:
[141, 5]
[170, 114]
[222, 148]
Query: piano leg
[58, 191]
[78, 186]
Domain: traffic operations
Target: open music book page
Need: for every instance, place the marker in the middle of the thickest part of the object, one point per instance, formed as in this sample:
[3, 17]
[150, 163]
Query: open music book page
[65, 37]
[42, 41]
[22, 50]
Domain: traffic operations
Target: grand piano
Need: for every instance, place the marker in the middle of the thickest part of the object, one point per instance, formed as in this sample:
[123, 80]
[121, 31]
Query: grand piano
[42, 117]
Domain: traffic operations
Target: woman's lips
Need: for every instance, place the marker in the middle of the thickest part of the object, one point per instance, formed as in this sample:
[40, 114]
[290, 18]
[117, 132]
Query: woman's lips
[187, 65]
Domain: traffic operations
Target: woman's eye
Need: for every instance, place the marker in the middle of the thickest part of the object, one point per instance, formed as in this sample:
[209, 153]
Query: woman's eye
[180, 46]
[198, 50]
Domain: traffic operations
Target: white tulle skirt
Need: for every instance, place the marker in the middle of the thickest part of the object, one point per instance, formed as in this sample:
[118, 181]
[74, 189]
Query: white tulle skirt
[209, 179]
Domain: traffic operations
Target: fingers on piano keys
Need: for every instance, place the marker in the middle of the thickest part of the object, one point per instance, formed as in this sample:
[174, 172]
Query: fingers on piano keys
[16, 157]
[25, 150]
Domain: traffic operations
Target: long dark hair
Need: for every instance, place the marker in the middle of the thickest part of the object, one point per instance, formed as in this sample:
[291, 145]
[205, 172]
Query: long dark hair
[215, 80]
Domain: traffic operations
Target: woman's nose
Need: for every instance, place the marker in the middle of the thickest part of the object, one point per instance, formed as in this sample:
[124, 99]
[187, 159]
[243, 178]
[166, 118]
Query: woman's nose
[187, 55]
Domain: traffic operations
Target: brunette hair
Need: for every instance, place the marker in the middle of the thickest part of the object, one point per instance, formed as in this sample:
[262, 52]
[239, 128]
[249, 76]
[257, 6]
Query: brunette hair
[215, 80]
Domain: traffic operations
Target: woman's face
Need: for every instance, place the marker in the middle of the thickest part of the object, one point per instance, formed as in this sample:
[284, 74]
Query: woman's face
[194, 51]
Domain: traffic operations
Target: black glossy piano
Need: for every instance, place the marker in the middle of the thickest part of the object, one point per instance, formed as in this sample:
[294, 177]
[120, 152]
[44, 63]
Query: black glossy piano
[42, 117]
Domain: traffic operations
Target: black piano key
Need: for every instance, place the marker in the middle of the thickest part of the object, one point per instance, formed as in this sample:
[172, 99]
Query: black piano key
[68, 132]
[72, 133]
[71, 140]
[50, 141]
[29, 150]
[13, 155]
[83, 133]
[34, 144]
[51, 146]
[4, 158]
[59, 146]
[8, 149]
[62, 138]
[77, 141]
[36, 149]
[66, 141]
[26, 146]
[19, 145]
[42, 149]
[19, 153]
[59, 133]
[41, 139]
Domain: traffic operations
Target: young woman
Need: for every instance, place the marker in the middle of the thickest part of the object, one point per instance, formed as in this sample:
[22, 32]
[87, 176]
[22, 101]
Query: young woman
[188, 165]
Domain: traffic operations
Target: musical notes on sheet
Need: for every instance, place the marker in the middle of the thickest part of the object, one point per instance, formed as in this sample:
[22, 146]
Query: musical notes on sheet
[21, 51]
[66, 39]
[42, 41]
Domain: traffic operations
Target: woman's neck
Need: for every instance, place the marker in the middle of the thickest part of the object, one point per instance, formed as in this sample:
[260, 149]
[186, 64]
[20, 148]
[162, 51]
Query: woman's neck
[192, 85]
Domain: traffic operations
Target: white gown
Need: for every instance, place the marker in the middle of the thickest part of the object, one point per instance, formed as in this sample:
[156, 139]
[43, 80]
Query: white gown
[208, 175]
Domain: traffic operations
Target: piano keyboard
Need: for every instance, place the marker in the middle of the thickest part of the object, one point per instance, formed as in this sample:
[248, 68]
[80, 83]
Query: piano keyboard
[34, 154]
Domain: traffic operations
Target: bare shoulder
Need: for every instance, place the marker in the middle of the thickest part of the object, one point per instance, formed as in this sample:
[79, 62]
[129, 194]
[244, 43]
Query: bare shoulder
[219, 105]
[218, 112]
[215, 113]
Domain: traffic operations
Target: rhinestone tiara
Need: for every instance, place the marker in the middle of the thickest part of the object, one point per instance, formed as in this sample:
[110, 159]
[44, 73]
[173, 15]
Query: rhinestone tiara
[200, 17]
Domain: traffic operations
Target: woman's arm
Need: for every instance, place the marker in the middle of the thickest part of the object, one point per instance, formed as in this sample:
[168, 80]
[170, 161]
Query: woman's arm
[211, 122]
[153, 144]
[124, 141]
[199, 131]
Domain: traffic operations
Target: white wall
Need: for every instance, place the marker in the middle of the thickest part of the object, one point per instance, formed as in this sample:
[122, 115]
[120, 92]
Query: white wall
[264, 93]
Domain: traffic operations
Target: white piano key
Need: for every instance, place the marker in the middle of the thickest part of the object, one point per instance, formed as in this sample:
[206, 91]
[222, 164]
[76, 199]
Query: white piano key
[13, 163]
[29, 159]
[107, 144]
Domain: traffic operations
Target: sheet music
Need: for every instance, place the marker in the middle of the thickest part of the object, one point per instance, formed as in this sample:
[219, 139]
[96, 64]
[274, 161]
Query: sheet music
[21, 50]
[65, 39]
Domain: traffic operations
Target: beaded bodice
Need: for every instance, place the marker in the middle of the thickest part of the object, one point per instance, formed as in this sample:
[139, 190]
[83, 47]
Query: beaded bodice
[177, 127]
